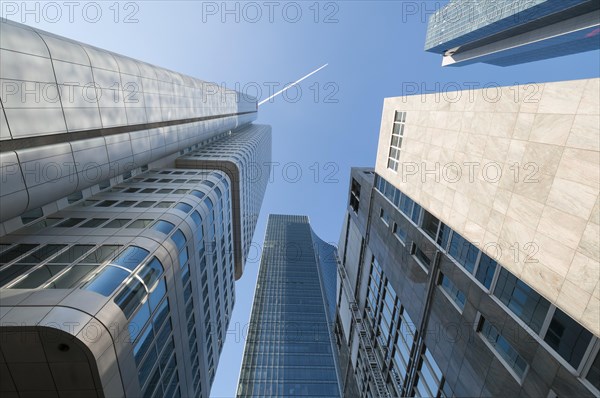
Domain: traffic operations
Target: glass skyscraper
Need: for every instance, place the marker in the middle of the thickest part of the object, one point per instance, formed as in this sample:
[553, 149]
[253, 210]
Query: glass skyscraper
[510, 32]
[289, 348]
[127, 209]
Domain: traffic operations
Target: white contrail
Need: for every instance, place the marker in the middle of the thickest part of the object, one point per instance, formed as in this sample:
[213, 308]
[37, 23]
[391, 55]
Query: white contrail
[291, 85]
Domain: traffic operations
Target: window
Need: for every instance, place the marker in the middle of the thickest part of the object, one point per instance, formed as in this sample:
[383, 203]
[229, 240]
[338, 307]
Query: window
[503, 348]
[93, 223]
[355, 195]
[126, 203]
[422, 257]
[430, 224]
[384, 217]
[140, 224]
[593, 375]
[396, 140]
[184, 207]
[74, 197]
[163, 226]
[145, 204]
[452, 291]
[399, 232]
[486, 270]
[568, 338]
[71, 222]
[106, 203]
[32, 215]
[522, 300]
[164, 205]
[463, 252]
[117, 223]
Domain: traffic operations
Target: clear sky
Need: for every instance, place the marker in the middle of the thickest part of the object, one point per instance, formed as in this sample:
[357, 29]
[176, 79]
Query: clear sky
[374, 50]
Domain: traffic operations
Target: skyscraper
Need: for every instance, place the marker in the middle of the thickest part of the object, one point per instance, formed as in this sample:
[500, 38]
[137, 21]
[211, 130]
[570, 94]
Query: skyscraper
[128, 199]
[289, 348]
[510, 32]
[469, 256]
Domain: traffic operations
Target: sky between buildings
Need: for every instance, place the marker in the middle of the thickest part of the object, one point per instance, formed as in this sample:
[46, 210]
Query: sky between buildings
[330, 123]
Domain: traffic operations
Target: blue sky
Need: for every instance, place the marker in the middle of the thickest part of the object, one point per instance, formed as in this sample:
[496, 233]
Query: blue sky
[374, 50]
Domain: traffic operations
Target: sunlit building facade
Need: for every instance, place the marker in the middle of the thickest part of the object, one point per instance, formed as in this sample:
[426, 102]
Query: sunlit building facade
[469, 255]
[126, 218]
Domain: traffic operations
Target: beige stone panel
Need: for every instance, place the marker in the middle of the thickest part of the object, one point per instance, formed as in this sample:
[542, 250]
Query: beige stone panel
[544, 159]
[597, 291]
[510, 173]
[453, 121]
[590, 101]
[495, 221]
[515, 233]
[581, 166]
[525, 210]
[550, 252]
[584, 272]
[461, 203]
[473, 232]
[523, 126]
[485, 100]
[456, 220]
[496, 149]
[475, 145]
[573, 300]
[562, 97]
[467, 121]
[545, 281]
[502, 200]
[595, 216]
[516, 151]
[591, 316]
[503, 124]
[530, 96]
[534, 185]
[561, 226]
[590, 241]
[585, 133]
[572, 197]
[509, 100]
[551, 128]
[481, 123]
[490, 246]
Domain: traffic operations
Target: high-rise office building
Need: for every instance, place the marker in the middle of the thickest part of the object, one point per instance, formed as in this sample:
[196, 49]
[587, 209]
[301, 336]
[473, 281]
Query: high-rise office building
[469, 256]
[510, 32]
[289, 349]
[128, 199]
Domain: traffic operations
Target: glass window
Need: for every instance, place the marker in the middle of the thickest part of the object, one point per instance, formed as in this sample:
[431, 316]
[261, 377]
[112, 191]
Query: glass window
[141, 347]
[116, 223]
[164, 205]
[41, 254]
[184, 207]
[198, 194]
[138, 321]
[197, 219]
[130, 297]
[15, 252]
[71, 222]
[163, 226]
[106, 203]
[107, 280]
[101, 254]
[71, 254]
[486, 270]
[179, 239]
[126, 203]
[522, 300]
[455, 294]
[503, 348]
[422, 257]
[593, 375]
[567, 337]
[151, 272]
[143, 223]
[430, 224]
[145, 203]
[93, 223]
[131, 257]
[400, 233]
[463, 251]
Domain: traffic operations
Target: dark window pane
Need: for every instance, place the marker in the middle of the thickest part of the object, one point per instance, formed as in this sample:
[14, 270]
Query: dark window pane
[140, 224]
[179, 239]
[94, 222]
[71, 222]
[131, 257]
[593, 375]
[567, 337]
[15, 252]
[71, 254]
[163, 226]
[73, 276]
[117, 223]
[430, 224]
[522, 300]
[107, 280]
[463, 251]
[130, 297]
[486, 270]
[101, 254]
[126, 203]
